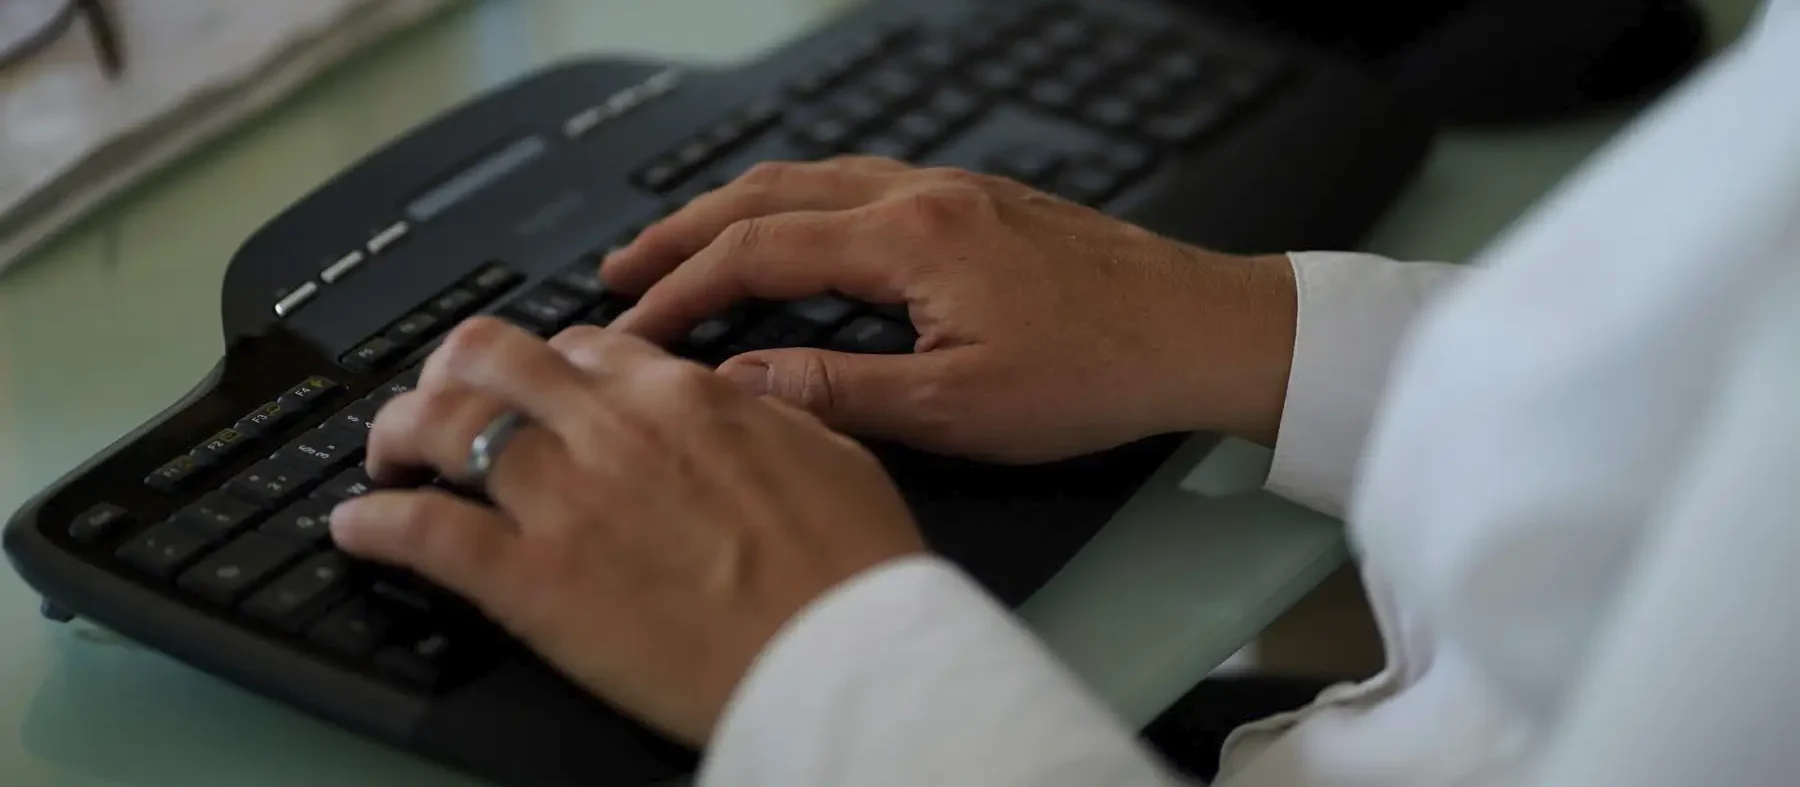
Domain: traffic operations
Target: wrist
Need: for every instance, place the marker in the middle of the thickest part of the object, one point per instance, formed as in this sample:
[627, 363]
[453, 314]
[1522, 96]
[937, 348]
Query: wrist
[1230, 358]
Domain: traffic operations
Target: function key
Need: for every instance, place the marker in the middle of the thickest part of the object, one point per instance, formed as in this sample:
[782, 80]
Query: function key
[285, 601]
[226, 575]
[493, 280]
[875, 336]
[413, 329]
[173, 475]
[163, 550]
[308, 393]
[266, 419]
[216, 515]
[224, 444]
[454, 303]
[308, 521]
[98, 522]
[354, 482]
[324, 448]
[543, 310]
[270, 483]
[353, 629]
[582, 279]
[358, 417]
[370, 354]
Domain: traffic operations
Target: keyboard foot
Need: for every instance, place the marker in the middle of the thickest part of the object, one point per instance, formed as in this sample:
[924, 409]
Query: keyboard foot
[51, 611]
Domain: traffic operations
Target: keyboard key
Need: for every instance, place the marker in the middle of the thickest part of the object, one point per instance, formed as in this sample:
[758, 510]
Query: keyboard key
[173, 475]
[284, 602]
[401, 383]
[370, 354]
[353, 629]
[709, 333]
[1069, 33]
[308, 393]
[1113, 112]
[1029, 56]
[223, 445]
[895, 85]
[660, 175]
[829, 132]
[1126, 158]
[354, 482]
[609, 309]
[1180, 66]
[308, 522]
[163, 550]
[1053, 94]
[778, 330]
[216, 515]
[359, 417]
[270, 483]
[822, 310]
[98, 522]
[543, 310]
[423, 662]
[859, 108]
[923, 129]
[1119, 48]
[1148, 88]
[413, 329]
[955, 105]
[1086, 184]
[493, 280]
[936, 55]
[1186, 123]
[582, 280]
[454, 303]
[999, 77]
[266, 419]
[1083, 72]
[226, 575]
[874, 336]
[324, 449]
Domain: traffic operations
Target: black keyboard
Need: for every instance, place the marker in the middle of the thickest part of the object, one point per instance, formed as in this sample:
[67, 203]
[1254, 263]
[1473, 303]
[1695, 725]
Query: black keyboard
[204, 533]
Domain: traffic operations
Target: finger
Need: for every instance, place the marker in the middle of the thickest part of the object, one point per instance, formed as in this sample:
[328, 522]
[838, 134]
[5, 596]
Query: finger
[461, 545]
[785, 257]
[885, 396]
[600, 352]
[767, 189]
[520, 369]
[435, 428]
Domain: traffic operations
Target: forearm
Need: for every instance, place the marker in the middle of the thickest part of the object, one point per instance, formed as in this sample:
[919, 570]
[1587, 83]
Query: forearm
[910, 675]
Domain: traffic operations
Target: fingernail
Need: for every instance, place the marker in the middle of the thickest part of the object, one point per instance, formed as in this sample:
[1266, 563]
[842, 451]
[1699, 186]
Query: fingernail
[752, 375]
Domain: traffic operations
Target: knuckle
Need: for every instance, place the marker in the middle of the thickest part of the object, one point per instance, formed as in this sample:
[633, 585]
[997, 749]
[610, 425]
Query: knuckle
[769, 173]
[946, 206]
[471, 340]
[744, 236]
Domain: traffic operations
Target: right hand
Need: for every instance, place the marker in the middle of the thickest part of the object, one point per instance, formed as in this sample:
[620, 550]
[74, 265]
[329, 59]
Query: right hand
[1047, 329]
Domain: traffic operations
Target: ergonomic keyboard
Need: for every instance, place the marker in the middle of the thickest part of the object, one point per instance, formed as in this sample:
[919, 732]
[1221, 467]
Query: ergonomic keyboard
[203, 533]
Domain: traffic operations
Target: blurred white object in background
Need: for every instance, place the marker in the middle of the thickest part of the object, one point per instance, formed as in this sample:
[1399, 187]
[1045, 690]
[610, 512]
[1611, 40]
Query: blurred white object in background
[72, 136]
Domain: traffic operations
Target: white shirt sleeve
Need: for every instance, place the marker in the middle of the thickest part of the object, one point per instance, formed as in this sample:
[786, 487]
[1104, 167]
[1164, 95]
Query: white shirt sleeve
[912, 675]
[1354, 312]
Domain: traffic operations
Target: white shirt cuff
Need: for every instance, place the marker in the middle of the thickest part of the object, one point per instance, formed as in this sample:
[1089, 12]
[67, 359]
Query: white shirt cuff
[910, 674]
[1354, 312]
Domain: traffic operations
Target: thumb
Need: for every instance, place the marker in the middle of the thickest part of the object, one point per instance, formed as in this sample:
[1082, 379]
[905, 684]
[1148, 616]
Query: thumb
[867, 395]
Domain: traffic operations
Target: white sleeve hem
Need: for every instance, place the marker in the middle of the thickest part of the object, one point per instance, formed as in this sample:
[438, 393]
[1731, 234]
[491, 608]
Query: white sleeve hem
[910, 674]
[1354, 312]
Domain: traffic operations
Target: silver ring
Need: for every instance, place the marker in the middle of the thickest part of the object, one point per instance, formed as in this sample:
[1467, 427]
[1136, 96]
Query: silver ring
[486, 447]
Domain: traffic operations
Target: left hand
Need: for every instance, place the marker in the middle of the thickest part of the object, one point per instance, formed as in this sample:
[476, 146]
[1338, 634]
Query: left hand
[654, 525]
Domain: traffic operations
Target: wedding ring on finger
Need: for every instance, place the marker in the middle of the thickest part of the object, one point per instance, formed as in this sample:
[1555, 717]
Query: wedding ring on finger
[487, 446]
